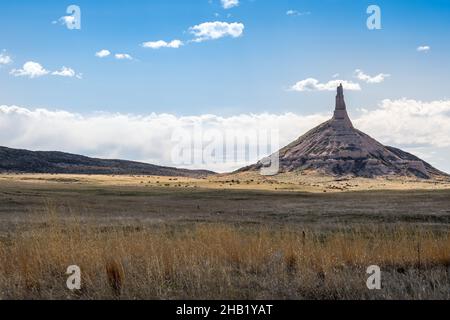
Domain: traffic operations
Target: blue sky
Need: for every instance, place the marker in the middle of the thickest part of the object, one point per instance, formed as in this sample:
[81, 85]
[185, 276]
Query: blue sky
[250, 73]
[263, 67]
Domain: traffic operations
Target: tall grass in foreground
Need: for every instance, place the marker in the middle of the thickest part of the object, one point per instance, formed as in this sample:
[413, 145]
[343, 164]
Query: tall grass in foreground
[220, 261]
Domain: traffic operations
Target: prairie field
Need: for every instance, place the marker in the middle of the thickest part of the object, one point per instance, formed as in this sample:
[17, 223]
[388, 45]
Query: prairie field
[170, 238]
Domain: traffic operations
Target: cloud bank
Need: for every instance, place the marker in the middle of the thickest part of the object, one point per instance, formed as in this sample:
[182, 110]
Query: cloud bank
[419, 127]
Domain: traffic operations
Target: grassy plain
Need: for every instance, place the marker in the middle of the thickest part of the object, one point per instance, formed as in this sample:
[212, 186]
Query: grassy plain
[223, 237]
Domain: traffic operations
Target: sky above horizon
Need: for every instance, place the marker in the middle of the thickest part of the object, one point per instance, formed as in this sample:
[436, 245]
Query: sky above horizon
[232, 59]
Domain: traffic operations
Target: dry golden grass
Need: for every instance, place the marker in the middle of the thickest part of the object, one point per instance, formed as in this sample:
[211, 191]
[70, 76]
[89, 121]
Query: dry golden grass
[213, 261]
[296, 182]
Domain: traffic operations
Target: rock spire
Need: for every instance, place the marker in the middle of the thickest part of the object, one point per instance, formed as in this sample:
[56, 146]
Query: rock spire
[341, 118]
[337, 148]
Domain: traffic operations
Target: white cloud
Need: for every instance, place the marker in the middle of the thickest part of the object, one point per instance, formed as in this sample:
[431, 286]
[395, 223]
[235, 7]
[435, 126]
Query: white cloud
[30, 69]
[296, 13]
[175, 44]
[123, 56]
[228, 4]
[5, 59]
[312, 84]
[216, 30]
[409, 122]
[103, 53]
[67, 72]
[375, 79]
[423, 48]
[119, 56]
[33, 70]
[145, 138]
[420, 127]
[67, 21]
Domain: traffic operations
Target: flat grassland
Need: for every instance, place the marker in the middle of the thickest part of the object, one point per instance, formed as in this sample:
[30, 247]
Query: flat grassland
[223, 237]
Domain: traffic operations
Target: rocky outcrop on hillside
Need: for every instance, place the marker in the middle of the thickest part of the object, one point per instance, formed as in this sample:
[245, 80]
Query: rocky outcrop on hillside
[337, 148]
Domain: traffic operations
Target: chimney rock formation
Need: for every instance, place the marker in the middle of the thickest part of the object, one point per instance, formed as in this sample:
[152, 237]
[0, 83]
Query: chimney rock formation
[337, 148]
